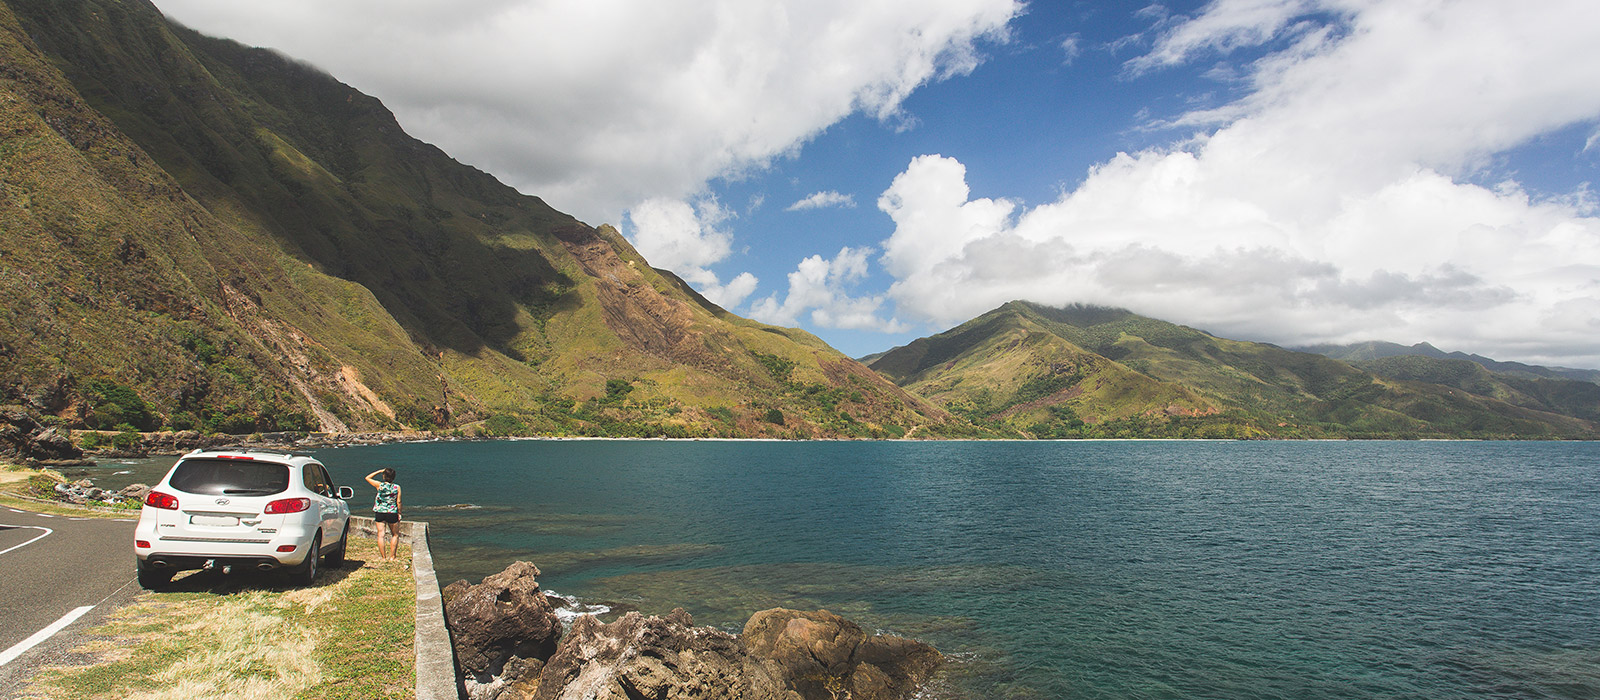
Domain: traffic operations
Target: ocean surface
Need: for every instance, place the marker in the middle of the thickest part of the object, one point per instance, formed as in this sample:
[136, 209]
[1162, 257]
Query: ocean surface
[1237, 570]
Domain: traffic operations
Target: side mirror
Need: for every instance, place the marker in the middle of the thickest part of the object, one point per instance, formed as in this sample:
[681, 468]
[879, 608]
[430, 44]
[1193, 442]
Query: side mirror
[346, 493]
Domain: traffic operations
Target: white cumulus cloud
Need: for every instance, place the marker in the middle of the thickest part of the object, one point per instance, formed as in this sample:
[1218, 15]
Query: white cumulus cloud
[688, 239]
[819, 291]
[821, 200]
[1334, 201]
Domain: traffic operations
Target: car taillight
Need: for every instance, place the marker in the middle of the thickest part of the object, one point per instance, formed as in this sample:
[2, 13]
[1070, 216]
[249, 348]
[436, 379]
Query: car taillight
[142, 544]
[164, 501]
[286, 548]
[287, 505]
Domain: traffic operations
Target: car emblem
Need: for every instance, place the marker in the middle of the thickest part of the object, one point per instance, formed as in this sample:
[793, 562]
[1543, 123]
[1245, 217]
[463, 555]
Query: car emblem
[222, 501]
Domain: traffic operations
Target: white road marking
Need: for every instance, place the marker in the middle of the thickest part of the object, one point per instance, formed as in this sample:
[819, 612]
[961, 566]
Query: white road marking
[17, 649]
[47, 532]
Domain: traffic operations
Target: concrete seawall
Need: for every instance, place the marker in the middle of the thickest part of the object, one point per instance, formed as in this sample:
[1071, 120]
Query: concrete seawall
[436, 662]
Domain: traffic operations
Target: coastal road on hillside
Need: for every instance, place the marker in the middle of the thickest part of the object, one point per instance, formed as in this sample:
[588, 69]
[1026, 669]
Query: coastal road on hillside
[56, 571]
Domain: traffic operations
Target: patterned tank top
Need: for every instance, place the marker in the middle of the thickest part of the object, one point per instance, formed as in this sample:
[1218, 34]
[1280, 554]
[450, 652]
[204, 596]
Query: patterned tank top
[388, 500]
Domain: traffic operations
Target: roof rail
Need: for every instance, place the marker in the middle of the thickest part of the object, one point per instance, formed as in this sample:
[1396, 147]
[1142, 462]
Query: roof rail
[247, 449]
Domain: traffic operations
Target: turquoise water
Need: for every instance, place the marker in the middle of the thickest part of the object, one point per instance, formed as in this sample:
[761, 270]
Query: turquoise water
[1071, 569]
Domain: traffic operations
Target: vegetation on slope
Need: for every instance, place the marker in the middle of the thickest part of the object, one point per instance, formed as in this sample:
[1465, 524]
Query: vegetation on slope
[217, 237]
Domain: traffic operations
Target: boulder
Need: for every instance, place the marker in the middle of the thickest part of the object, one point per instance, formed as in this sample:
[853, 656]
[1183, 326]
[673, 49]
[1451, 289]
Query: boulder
[827, 656]
[499, 625]
[660, 658]
[181, 441]
[453, 591]
[52, 446]
[22, 437]
[505, 632]
[135, 492]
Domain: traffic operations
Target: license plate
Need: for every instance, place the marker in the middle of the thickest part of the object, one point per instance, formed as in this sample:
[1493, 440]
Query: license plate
[214, 520]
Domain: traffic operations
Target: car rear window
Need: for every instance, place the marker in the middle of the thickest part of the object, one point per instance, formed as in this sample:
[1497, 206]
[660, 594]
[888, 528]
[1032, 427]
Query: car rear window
[230, 477]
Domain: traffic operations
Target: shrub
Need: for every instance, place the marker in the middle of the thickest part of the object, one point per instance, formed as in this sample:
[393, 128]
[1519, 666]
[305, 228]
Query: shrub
[780, 368]
[127, 440]
[773, 416]
[114, 403]
[42, 485]
[502, 425]
[183, 420]
[616, 389]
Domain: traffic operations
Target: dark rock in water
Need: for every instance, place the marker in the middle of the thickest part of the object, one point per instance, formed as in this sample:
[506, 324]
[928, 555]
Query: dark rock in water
[498, 626]
[453, 591]
[824, 655]
[505, 631]
[656, 657]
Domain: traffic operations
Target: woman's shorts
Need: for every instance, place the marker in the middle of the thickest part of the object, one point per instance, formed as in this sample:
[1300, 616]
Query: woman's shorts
[386, 517]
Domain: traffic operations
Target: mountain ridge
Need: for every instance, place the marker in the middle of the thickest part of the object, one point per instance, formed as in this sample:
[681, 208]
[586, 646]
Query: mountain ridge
[1378, 349]
[1086, 371]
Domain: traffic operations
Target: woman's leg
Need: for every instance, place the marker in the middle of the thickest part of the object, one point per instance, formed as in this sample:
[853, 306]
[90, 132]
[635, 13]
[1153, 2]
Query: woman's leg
[383, 528]
[394, 540]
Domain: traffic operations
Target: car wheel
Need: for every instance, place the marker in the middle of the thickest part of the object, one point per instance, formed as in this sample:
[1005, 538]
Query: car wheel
[152, 578]
[306, 573]
[335, 558]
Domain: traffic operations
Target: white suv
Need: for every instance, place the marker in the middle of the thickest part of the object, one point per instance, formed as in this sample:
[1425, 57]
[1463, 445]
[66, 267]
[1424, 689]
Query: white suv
[226, 508]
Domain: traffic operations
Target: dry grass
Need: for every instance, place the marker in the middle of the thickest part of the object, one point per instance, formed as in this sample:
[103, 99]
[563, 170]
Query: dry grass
[246, 636]
[10, 473]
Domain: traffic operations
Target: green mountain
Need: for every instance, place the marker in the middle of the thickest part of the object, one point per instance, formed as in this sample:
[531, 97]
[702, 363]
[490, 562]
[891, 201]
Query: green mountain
[203, 235]
[1569, 397]
[1086, 371]
[1377, 350]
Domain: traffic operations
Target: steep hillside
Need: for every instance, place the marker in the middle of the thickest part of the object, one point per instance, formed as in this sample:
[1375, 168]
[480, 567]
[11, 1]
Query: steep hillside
[1090, 371]
[1009, 368]
[1578, 399]
[200, 234]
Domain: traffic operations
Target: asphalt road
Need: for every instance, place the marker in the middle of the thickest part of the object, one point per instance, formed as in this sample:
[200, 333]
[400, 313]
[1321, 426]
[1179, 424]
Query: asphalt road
[50, 567]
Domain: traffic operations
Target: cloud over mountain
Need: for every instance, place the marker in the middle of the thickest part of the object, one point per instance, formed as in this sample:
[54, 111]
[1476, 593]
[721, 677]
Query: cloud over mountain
[598, 106]
[1338, 199]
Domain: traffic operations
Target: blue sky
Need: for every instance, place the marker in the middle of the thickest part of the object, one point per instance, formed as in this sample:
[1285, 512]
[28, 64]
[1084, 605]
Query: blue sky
[1290, 171]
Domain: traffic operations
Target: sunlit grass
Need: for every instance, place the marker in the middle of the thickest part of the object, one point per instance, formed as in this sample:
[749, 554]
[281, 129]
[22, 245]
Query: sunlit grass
[246, 636]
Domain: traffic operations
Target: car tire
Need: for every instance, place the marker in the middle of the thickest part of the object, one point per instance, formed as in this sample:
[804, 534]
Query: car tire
[152, 578]
[306, 573]
[335, 558]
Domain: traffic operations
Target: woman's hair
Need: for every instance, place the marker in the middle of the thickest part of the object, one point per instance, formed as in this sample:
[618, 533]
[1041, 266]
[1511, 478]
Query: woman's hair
[388, 474]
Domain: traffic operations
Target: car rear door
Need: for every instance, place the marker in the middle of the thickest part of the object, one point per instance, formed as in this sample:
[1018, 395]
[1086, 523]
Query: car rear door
[321, 486]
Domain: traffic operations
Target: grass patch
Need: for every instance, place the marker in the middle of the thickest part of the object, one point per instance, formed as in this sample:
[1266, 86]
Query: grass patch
[246, 636]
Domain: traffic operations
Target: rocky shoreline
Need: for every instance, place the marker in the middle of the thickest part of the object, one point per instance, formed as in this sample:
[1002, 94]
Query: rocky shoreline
[25, 439]
[510, 644]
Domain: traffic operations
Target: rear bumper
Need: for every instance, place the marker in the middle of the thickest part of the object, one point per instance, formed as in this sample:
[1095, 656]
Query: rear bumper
[185, 562]
[181, 552]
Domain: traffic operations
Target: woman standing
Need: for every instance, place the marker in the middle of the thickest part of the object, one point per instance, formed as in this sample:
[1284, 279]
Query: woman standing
[386, 512]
